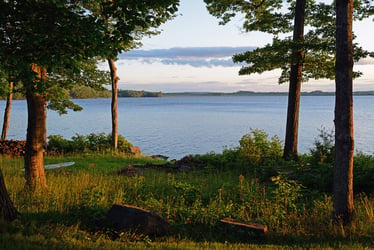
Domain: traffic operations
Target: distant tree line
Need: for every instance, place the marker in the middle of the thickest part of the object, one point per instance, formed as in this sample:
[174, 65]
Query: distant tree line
[77, 92]
[138, 93]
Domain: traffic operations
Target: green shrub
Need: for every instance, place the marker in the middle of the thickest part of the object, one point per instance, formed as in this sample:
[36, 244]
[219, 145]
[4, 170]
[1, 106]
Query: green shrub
[56, 143]
[228, 159]
[324, 147]
[317, 176]
[92, 142]
[287, 192]
[363, 173]
[123, 145]
[255, 148]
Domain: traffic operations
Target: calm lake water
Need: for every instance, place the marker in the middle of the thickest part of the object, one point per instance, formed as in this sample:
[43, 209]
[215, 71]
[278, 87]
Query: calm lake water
[177, 126]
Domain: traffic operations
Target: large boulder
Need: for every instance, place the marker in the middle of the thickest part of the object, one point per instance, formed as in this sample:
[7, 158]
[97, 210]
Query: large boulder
[135, 219]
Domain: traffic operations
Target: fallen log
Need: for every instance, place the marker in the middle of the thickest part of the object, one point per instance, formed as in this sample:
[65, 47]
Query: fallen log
[230, 225]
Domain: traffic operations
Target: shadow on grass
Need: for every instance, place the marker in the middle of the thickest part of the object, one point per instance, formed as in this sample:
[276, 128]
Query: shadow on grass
[92, 220]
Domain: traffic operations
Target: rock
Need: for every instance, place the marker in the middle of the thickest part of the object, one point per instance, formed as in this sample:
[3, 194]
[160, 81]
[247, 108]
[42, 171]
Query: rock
[231, 225]
[136, 150]
[184, 168]
[160, 157]
[134, 219]
[129, 171]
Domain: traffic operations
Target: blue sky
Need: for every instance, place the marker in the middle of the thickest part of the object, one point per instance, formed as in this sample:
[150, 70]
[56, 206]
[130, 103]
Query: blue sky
[193, 53]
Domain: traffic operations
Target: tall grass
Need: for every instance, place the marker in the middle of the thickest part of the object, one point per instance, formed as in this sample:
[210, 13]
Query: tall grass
[72, 210]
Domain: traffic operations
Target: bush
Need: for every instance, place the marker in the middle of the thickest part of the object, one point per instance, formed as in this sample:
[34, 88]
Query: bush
[363, 173]
[57, 144]
[92, 142]
[255, 148]
[324, 147]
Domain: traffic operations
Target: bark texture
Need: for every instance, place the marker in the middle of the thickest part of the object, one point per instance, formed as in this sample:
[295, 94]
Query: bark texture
[344, 142]
[7, 210]
[292, 127]
[36, 130]
[8, 107]
[114, 78]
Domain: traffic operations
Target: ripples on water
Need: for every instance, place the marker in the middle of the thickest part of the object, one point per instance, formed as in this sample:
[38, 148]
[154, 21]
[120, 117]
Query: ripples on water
[177, 126]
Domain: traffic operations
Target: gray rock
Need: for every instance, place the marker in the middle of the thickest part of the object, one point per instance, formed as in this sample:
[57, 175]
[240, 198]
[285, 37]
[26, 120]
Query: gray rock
[135, 219]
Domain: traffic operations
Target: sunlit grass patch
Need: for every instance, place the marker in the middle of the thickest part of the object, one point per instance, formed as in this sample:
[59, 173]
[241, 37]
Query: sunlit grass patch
[72, 211]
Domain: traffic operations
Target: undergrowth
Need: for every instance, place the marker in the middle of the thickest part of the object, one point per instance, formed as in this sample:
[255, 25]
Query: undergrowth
[292, 198]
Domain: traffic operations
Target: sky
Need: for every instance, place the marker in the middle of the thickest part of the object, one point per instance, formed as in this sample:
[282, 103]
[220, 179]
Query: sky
[193, 53]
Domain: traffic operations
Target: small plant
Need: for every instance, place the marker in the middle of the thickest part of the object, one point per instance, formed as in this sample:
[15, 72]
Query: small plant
[324, 147]
[287, 192]
[186, 191]
[256, 148]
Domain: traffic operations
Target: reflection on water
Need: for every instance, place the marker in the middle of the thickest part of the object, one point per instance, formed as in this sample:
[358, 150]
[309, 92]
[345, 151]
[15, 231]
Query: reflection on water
[177, 126]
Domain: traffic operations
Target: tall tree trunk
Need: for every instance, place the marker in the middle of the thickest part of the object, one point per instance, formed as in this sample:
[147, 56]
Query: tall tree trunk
[114, 78]
[7, 112]
[344, 142]
[292, 127]
[36, 107]
[7, 210]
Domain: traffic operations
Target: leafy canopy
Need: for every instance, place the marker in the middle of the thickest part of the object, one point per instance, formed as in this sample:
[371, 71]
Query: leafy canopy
[127, 21]
[276, 17]
[67, 37]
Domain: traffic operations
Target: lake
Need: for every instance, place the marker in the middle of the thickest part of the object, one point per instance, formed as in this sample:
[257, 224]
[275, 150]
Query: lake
[178, 126]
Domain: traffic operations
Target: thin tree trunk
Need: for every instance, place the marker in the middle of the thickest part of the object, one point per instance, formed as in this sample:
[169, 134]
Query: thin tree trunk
[7, 112]
[344, 142]
[292, 127]
[7, 210]
[36, 106]
[114, 78]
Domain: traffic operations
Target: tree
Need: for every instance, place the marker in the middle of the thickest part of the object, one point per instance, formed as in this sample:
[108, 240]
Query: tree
[126, 22]
[8, 106]
[9, 97]
[7, 210]
[7, 88]
[300, 58]
[36, 131]
[46, 40]
[292, 125]
[40, 38]
[344, 142]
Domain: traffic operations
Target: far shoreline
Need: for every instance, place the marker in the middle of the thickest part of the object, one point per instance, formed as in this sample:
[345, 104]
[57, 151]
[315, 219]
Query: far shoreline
[148, 94]
[253, 93]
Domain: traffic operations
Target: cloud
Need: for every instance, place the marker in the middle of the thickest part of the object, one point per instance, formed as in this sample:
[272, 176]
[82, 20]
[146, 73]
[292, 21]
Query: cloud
[192, 56]
[224, 62]
[365, 61]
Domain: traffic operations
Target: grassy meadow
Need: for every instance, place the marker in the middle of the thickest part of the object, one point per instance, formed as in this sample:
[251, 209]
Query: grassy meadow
[255, 185]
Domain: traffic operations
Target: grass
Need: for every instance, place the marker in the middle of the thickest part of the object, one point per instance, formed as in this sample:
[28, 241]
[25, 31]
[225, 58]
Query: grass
[71, 213]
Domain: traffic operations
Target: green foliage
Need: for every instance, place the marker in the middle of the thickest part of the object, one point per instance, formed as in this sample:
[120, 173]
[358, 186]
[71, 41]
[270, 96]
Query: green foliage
[287, 192]
[92, 142]
[277, 17]
[315, 176]
[88, 92]
[126, 22]
[363, 173]
[72, 212]
[228, 159]
[135, 93]
[255, 148]
[324, 147]
[56, 35]
[264, 16]
[67, 37]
